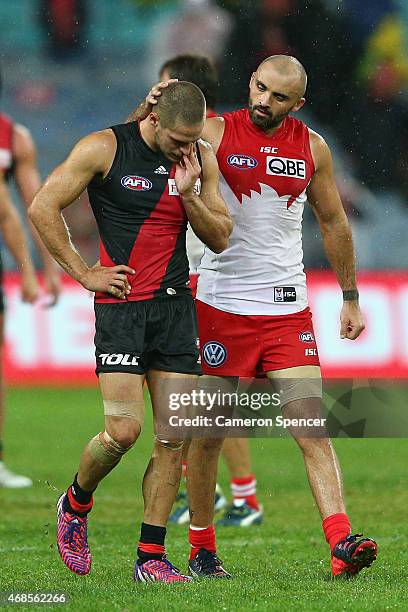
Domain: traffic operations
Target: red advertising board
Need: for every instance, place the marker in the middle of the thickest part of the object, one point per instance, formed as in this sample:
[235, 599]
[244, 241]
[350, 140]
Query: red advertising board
[47, 346]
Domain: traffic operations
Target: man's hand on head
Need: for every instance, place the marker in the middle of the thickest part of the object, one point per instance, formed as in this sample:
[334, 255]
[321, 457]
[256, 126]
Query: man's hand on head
[147, 106]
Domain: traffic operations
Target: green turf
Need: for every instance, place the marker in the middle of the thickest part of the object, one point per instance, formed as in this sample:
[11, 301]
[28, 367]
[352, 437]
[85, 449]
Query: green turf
[281, 565]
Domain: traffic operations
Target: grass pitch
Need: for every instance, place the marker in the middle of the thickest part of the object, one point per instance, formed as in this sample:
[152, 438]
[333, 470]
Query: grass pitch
[280, 565]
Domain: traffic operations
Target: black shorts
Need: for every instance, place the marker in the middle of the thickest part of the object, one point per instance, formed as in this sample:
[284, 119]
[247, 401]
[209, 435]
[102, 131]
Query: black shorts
[160, 334]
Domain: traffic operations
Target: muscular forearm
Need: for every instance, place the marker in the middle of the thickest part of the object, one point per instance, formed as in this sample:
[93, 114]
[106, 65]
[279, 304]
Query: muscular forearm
[339, 247]
[46, 258]
[53, 231]
[212, 228]
[140, 112]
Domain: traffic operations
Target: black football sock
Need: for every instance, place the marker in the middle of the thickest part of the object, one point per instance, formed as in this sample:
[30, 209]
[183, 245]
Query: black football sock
[151, 543]
[77, 500]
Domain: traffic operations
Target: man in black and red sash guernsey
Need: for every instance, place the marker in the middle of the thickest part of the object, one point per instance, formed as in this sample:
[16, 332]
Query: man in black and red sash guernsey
[245, 509]
[144, 182]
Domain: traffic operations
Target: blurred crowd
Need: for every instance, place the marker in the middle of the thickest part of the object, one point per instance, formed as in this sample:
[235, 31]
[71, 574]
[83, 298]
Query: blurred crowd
[355, 53]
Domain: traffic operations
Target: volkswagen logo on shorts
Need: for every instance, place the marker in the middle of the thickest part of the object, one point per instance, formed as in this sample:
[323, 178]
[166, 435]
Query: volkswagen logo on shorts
[214, 354]
[136, 183]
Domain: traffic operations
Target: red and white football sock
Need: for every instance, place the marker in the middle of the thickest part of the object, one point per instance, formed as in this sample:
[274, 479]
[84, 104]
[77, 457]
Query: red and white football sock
[244, 490]
[201, 537]
[336, 527]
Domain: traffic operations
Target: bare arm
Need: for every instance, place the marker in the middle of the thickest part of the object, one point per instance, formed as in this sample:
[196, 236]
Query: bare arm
[213, 132]
[15, 240]
[91, 156]
[324, 197]
[207, 212]
[28, 183]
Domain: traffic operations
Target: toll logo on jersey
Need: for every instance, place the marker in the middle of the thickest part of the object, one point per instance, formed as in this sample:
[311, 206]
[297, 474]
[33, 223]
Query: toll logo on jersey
[283, 166]
[173, 191]
[284, 294]
[136, 183]
[119, 359]
[242, 162]
[306, 337]
[214, 354]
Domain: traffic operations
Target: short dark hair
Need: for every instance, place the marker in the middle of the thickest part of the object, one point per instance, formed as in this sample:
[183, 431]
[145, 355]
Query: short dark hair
[197, 69]
[181, 102]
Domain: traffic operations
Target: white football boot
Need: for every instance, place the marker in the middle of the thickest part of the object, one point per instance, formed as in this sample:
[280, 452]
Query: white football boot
[9, 480]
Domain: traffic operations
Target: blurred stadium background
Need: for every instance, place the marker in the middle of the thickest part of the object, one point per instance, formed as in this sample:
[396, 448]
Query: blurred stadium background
[73, 66]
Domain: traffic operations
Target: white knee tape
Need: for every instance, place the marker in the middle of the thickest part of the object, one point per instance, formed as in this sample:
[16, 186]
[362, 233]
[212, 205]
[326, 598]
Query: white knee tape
[175, 445]
[295, 384]
[106, 450]
[129, 409]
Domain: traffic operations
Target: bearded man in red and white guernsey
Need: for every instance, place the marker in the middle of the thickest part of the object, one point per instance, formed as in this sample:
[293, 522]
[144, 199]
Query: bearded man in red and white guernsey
[252, 304]
[252, 298]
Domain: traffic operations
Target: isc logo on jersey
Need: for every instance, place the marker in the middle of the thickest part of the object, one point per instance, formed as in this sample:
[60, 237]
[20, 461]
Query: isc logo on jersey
[242, 162]
[283, 166]
[136, 183]
[284, 294]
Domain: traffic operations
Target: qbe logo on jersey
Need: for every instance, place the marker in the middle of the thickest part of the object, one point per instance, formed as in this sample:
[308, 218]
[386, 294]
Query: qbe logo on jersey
[283, 166]
[242, 162]
[136, 183]
[214, 354]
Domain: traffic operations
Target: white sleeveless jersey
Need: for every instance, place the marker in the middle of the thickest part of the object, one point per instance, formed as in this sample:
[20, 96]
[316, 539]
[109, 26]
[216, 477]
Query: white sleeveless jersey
[263, 182]
[195, 250]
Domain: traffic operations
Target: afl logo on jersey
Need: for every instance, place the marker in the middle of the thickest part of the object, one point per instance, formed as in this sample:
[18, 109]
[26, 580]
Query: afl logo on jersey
[136, 183]
[306, 337]
[242, 162]
[214, 354]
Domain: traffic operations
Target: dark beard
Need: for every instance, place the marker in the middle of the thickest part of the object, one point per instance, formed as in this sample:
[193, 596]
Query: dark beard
[264, 123]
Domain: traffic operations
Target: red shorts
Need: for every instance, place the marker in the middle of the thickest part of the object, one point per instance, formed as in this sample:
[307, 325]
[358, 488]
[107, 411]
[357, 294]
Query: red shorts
[247, 345]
